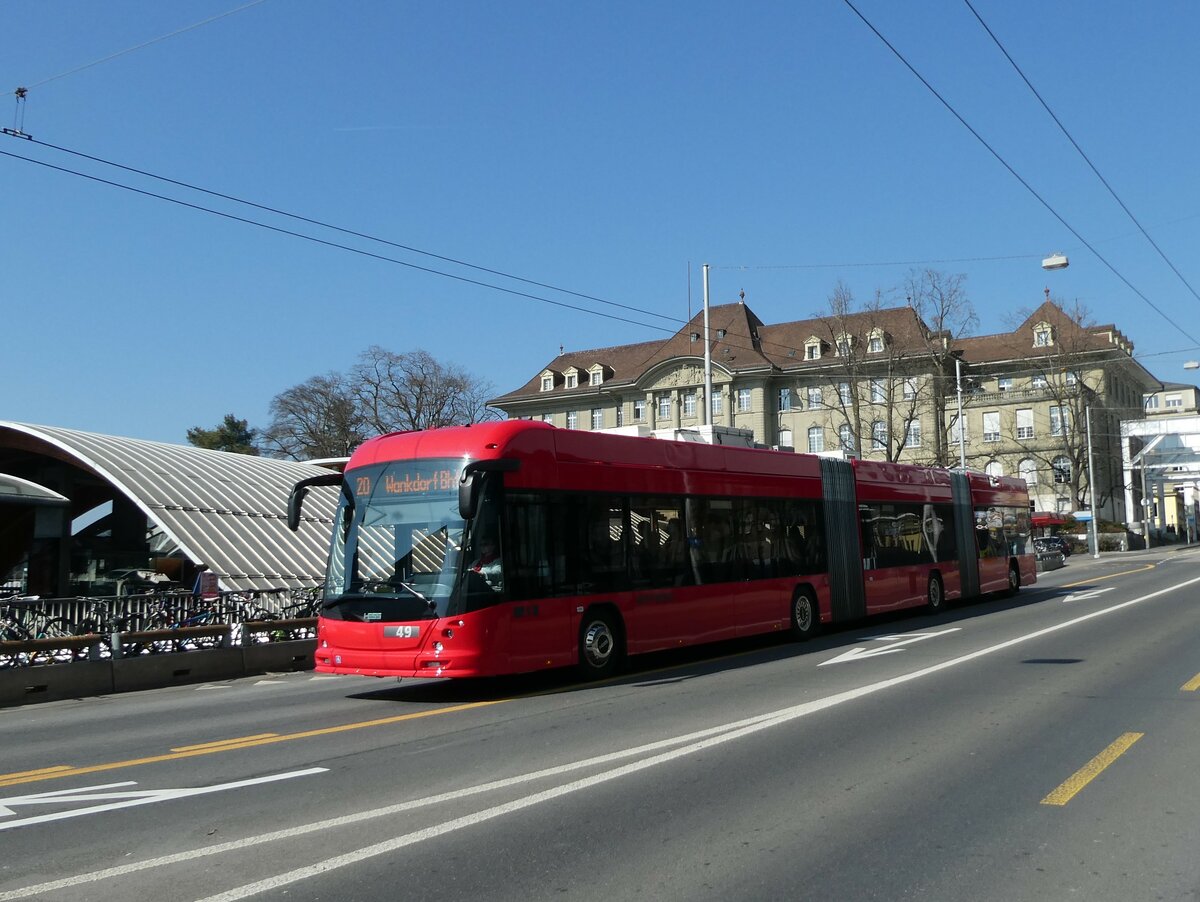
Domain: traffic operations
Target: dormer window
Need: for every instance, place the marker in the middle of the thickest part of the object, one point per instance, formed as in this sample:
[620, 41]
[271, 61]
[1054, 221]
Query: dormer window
[1043, 335]
[596, 375]
[812, 349]
[572, 380]
[876, 341]
[547, 382]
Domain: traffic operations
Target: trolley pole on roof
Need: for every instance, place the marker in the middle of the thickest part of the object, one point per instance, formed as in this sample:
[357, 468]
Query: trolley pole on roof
[707, 358]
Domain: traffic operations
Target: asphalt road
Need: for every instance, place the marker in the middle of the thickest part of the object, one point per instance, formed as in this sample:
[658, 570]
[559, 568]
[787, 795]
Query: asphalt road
[1039, 747]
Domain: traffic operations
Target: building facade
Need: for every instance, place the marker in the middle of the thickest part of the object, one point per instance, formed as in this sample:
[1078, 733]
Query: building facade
[878, 384]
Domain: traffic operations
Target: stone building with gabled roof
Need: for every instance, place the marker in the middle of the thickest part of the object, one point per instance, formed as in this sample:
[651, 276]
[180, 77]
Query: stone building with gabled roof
[879, 384]
[1031, 395]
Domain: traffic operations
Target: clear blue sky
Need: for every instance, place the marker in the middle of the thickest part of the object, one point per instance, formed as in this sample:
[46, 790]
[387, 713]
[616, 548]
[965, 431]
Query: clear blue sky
[598, 147]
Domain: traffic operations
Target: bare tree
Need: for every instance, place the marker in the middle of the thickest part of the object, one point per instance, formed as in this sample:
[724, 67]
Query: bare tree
[315, 419]
[941, 303]
[395, 392]
[887, 377]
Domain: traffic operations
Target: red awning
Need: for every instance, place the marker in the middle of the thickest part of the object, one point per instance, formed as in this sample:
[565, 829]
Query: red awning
[1041, 519]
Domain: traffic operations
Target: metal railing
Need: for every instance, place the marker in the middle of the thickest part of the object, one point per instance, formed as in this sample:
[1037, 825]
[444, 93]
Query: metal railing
[61, 630]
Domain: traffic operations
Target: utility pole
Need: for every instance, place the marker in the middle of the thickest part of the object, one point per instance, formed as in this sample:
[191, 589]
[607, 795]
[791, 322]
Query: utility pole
[708, 398]
[962, 441]
[1093, 536]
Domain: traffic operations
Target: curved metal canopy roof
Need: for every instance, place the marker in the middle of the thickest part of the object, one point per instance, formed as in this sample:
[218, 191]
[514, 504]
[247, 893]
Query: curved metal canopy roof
[226, 511]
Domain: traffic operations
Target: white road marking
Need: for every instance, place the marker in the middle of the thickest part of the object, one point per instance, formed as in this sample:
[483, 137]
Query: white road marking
[859, 652]
[1095, 593]
[116, 800]
[696, 741]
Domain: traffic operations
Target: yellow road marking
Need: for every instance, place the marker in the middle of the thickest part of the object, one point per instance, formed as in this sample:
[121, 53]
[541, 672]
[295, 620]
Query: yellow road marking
[1096, 579]
[213, 748]
[33, 773]
[223, 742]
[1082, 777]
[1191, 685]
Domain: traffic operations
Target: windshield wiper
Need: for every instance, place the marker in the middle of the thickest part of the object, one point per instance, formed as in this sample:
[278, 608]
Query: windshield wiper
[407, 587]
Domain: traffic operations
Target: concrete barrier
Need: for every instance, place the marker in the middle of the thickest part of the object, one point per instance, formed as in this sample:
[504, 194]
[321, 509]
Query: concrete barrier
[85, 679]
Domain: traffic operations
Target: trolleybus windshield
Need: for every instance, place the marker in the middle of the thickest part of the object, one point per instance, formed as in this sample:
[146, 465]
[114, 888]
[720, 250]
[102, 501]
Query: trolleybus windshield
[397, 544]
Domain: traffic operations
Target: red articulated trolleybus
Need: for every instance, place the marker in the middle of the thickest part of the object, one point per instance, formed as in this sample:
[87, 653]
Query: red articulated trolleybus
[515, 546]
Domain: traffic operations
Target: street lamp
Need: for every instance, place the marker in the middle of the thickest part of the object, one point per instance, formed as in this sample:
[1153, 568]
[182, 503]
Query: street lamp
[1192, 365]
[1056, 261]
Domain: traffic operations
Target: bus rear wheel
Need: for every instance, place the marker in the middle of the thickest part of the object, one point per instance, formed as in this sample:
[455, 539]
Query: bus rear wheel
[601, 648]
[805, 615]
[935, 595]
[1014, 578]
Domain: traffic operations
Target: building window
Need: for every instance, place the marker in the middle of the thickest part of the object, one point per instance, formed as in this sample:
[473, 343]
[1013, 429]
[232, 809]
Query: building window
[620, 414]
[913, 438]
[743, 400]
[664, 407]
[548, 418]
[879, 436]
[597, 378]
[1060, 420]
[639, 410]
[718, 402]
[785, 399]
[1151, 402]
[597, 418]
[572, 380]
[1027, 470]
[816, 439]
[875, 344]
[547, 383]
[844, 393]
[572, 419]
[689, 404]
[1004, 383]
[812, 351]
[1024, 423]
[878, 392]
[910, 389]
[994, 468]
[957, 433]
[846, 437]
[843, 347]
[1072, 377]
[991, 426]
[1173, 401]
[1038, 381]
[1061, 466]
[785, 438]
[814, 397]
[1041, 338]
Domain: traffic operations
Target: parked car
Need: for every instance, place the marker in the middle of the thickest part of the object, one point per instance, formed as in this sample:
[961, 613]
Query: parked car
[1049, 554]
[1057, 542]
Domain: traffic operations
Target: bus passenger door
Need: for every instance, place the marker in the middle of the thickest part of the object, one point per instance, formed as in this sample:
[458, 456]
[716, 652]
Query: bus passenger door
[536, 625]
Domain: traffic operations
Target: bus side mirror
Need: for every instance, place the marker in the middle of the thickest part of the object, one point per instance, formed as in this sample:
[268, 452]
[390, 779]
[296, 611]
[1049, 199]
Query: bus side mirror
[468, 494]
[300, 489]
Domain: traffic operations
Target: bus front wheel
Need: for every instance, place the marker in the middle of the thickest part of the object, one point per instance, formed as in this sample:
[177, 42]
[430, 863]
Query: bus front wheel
[805, 615]
[601, 649]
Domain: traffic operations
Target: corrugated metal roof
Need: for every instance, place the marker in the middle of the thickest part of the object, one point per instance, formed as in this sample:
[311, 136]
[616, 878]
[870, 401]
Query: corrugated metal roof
[227, 511]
